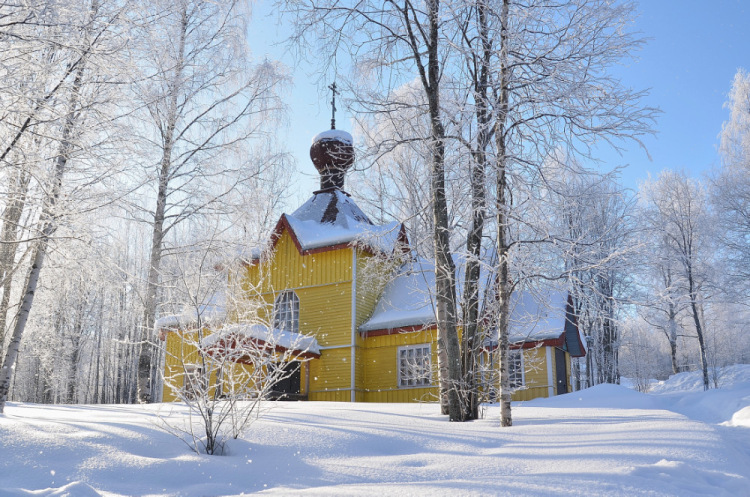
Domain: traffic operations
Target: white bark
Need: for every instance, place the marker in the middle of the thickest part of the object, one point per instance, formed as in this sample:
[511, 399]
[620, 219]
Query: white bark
[205, 104]
[49, 226]
[676, 208]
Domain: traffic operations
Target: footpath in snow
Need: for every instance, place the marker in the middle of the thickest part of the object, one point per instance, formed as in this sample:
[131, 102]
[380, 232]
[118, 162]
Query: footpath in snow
[607, 440]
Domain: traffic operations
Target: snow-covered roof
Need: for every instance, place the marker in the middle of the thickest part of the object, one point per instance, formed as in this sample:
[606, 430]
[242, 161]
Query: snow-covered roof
[538, 315]
[406, 299]
[334, 134]
[249, 253]
[332, 218]
[271, 336]
[541, 315]
[333, 207]
[213, 312]
[407, 302]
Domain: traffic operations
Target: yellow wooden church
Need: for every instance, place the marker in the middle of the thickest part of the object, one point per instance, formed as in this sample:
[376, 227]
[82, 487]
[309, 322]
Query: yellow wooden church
[355, 304]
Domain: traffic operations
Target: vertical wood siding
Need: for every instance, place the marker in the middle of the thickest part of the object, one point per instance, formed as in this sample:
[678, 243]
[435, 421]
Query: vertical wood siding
[288, 269]
[323, 283]
[535, 374]
[180, 353]
[380, 358]
[330, 373]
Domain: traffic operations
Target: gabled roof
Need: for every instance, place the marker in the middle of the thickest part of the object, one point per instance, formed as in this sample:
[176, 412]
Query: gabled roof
[545, 316]
[406, 300]
[331, 219]
[540, 317]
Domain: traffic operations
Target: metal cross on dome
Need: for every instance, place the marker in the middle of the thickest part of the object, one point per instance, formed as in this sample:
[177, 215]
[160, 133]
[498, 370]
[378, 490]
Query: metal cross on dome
[333, 104]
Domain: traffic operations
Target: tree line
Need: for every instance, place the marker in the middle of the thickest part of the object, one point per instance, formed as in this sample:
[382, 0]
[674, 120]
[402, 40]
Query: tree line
[133, 135]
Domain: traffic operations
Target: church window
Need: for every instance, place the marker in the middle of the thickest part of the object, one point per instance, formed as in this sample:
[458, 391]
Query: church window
[414, 366]
[286, 312]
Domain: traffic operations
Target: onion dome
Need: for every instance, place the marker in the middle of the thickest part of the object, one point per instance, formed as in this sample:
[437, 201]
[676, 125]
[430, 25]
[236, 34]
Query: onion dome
[332, 153]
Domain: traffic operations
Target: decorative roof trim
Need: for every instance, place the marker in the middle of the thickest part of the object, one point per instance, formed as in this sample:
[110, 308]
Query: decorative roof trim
[222, 344]
[530, 344]
[398, 330]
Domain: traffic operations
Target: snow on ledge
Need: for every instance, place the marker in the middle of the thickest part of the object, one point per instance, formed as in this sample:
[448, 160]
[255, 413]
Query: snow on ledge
[209, 316]
[272, 336]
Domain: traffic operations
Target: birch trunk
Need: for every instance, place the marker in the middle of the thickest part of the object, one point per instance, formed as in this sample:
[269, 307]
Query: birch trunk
[472, 341]
[698, 327]
[502, 206]
[48, 222]
[673, 338]
[145, 355]
[671, 321]
[503, 292]
[9, 243]
[445, 284]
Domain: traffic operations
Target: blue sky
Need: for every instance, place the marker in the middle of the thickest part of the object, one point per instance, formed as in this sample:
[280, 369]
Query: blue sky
[692, 52]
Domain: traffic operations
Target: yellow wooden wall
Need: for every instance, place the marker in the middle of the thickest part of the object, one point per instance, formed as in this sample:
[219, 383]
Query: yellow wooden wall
[373, 272]
[287, 268]
[535, 374]
[536, 382]
[323, 284]
[181, 352]
[535, 367]
[380, 361]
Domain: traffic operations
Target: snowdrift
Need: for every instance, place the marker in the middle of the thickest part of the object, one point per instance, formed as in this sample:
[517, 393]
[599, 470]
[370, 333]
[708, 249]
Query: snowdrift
[607, 440]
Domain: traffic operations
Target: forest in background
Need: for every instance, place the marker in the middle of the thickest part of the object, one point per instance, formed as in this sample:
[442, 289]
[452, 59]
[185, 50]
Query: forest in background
[138, 150]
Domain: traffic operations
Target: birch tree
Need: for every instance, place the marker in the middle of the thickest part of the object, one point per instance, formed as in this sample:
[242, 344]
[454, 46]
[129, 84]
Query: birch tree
[676, 208]
[535, 80]
[550, 91]
[662, 302]
[731, 186]
[204, 100]
[593, 226]
[403, 41]
[65, 104]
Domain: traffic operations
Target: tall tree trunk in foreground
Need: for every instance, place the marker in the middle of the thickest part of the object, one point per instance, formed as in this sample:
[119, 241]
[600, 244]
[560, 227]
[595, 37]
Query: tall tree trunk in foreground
[445, 270]
[479, 66]
[145, 380]
[9, 242]
[502, 206]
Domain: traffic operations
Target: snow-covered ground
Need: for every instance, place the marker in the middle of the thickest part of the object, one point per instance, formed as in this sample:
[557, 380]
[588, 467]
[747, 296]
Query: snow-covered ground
[607, 440]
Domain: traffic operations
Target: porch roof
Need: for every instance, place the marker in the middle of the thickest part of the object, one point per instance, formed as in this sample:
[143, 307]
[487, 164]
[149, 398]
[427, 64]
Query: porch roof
[251, 337]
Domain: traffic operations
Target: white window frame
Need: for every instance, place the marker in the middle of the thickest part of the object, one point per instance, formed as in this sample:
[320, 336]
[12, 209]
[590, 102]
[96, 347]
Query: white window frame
[193, 381]
[286, 312]
[414, 366]
[515, 366]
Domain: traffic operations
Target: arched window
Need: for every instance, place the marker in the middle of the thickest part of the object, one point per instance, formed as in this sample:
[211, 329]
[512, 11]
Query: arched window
[286, 312]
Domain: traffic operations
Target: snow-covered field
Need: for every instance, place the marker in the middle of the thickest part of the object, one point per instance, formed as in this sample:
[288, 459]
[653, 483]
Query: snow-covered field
[607, 440]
